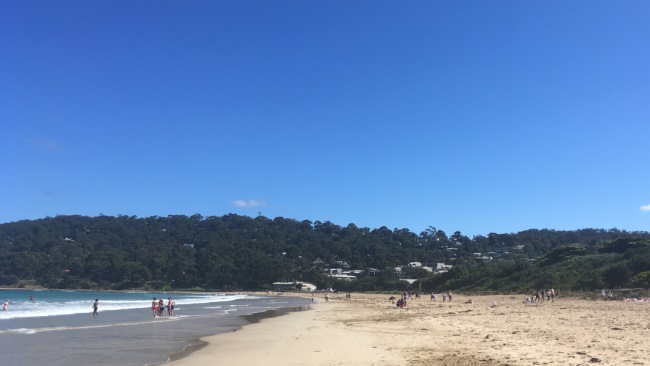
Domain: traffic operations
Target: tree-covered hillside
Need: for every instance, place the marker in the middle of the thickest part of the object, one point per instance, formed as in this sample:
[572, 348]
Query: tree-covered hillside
[237, 252]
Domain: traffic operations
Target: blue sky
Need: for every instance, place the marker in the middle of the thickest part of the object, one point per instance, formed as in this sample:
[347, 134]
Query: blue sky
[476, 116]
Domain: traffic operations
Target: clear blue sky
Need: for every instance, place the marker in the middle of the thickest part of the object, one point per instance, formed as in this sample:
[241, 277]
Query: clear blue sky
[477, 116]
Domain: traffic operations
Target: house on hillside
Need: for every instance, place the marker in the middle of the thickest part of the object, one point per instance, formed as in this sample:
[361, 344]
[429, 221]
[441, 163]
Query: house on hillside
[333, 271]
[344, 277]
[442, 268]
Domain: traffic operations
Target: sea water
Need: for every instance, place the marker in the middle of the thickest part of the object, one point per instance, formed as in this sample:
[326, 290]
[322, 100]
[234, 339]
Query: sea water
[56, 328]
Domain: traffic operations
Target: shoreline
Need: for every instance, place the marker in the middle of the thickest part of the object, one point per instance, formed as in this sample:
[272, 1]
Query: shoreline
[198, 343]
[297, 338]
[369, 330]
[59, 324]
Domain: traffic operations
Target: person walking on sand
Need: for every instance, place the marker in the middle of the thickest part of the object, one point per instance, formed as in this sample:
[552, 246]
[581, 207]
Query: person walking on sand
[95, 308]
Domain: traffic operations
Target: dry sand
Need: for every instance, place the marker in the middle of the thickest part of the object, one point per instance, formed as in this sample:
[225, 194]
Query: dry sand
[369, 330]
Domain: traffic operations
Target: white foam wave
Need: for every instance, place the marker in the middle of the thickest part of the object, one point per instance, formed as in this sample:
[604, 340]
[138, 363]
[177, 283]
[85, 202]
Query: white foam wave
[43, 309]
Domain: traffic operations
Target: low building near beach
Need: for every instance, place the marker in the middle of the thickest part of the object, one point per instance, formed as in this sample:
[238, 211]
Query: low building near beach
[293, 286]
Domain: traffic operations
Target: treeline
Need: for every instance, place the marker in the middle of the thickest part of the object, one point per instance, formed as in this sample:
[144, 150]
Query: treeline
[233, 252]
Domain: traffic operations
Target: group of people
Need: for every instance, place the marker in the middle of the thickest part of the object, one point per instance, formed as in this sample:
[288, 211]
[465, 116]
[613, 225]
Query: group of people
[642, 300]
[401, 303]
[158, 307]
[5, 305]
[550, 295]
[539, 296]
[609, 295]
[445, 296]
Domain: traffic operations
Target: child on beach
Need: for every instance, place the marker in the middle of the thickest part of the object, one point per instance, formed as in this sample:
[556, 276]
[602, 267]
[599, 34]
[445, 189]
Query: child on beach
[95, 308]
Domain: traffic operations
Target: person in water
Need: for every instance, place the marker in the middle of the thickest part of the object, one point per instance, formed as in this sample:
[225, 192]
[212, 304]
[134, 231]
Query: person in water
[161, 307]
[170, 307]
[95, 308]
[154, 307]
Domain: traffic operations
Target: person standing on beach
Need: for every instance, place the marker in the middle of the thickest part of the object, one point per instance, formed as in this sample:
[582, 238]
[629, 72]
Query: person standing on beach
[154, 307]
[161, 307]
[95, 308]
[170, 307]
[552, 292]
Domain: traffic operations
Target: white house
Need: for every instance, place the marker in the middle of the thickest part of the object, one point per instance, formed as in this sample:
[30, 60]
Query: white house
[442, 268]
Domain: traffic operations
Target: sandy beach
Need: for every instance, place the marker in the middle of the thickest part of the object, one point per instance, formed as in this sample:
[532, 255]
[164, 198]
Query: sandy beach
[369, 330]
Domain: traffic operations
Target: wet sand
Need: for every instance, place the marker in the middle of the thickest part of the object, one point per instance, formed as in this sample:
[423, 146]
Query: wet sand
[369, 330]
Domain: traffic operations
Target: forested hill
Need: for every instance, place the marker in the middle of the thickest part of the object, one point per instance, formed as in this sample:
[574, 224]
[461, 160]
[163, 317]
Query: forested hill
[237, 252]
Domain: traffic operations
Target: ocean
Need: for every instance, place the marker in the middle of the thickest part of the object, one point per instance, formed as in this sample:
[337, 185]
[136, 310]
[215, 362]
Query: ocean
[56, 328]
